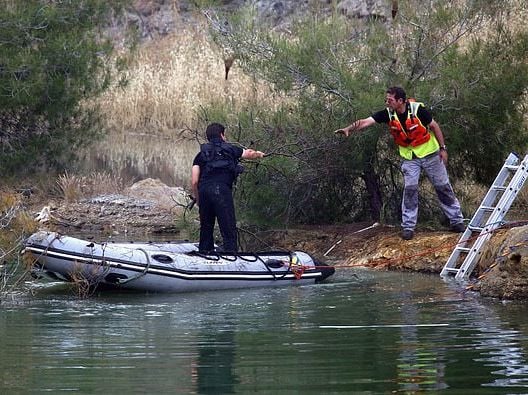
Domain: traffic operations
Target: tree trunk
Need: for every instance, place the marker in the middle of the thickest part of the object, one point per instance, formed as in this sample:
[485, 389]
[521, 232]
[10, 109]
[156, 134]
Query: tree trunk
[373, 189]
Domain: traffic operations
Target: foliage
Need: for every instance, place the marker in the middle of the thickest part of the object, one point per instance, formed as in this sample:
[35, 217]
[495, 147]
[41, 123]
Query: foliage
[15, 225]
[53, 60]
[467, 60]
[488, 111]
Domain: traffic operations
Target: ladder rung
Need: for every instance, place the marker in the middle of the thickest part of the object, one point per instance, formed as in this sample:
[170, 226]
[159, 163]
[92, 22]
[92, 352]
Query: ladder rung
[475, 228]
[451, 269]
[498, 188]
[511, 167]
[463, 249]
[487, 208]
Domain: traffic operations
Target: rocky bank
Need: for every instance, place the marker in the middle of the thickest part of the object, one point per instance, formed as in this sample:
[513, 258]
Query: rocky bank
[157, 18]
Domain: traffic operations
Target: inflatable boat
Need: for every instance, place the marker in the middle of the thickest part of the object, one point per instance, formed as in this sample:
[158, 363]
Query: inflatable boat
[166, 266]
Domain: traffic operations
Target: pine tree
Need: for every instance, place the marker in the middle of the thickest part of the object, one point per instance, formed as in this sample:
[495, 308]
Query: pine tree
[53, 59]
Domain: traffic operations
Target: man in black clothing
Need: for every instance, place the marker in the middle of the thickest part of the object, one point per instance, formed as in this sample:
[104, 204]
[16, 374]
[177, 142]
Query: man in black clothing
[214, 171]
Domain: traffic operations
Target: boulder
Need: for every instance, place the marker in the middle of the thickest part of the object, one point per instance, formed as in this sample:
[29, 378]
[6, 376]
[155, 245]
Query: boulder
[158, 193]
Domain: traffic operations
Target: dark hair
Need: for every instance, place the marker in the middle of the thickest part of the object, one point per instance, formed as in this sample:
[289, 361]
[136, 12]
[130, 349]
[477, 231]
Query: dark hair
[214, 130]
[398, 92]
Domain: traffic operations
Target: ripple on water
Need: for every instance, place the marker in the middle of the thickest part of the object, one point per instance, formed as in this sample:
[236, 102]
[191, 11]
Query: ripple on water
[391, 332]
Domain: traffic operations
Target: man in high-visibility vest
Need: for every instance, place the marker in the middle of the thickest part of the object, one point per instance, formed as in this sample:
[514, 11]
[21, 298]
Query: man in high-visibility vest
[421, 145]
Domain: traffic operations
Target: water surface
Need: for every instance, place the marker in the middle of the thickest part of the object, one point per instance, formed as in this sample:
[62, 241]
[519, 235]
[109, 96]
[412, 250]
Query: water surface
[360, 332]
[135, 156]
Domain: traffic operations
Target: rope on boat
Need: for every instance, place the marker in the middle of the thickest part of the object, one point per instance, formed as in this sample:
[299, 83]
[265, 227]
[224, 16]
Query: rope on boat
[293, 264]
[290, 260]
[121, 281]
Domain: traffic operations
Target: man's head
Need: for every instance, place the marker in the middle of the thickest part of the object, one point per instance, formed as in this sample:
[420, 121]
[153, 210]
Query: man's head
[215, 130]
[395, 98]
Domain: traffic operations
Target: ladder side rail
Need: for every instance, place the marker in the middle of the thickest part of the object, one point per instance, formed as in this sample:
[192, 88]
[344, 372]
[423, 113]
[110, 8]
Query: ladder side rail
[500, 180]
[464, 240]
[478, 220]
[455, 254]
[451, 262]
[494, 222]
[503, 205]
[474, 251]
[494, 219]
[523, 173]
[491, 195]
[507, 199]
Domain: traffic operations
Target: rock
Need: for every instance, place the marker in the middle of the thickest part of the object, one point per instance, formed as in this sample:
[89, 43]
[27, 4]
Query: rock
[155, 18]
[377, 9]
[146, 7]
[145, 207]
[169, 198]
[504, 272]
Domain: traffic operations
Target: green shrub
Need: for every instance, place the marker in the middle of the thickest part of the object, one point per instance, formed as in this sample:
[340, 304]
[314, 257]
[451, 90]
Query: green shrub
[54, 59]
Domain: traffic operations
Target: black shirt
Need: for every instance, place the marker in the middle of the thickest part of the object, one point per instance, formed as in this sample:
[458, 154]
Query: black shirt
[423, 115]
[223, 176]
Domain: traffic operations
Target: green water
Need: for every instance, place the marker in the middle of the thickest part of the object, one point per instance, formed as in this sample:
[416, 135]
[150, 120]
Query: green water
[361, 332]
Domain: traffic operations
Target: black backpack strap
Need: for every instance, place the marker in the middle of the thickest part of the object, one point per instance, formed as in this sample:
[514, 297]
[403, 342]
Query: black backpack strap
[218, 156]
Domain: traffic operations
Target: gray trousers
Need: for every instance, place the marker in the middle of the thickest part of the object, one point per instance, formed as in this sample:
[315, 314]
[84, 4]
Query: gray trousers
[436, 173]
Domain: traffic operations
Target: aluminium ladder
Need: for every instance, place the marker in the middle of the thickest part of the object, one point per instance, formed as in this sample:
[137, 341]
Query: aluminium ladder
[488, 217]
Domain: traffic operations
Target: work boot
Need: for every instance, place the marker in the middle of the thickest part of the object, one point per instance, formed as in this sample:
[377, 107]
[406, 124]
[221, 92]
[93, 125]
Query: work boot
[407, 234]
[458, 228]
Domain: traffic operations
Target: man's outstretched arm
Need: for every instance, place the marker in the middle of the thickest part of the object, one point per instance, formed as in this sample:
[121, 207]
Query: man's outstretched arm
[356, 126]
[252, 154]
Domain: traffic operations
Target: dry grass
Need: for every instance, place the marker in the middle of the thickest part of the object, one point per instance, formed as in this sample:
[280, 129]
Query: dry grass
[471, 194]
[15, 224]
[75, 187]
[14, 218]
[81, 285]
[523, 196]
[70, 187]
[172, 78]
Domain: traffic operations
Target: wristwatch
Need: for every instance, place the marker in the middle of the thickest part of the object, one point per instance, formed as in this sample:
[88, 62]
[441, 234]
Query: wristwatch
[443, 148]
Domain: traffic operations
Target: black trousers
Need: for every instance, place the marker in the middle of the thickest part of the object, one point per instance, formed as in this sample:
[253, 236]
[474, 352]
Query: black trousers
[216, 203]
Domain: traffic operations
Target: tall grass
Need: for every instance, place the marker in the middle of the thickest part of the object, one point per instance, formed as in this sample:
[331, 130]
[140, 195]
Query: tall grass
[74, 187]
[170, 79]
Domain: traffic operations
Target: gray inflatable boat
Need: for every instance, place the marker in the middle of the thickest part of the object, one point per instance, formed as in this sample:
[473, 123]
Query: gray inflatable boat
[166, 266]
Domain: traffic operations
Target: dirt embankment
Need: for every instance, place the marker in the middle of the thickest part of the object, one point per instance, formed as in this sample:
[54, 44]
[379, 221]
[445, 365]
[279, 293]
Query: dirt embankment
[150, 206]
[502, 271]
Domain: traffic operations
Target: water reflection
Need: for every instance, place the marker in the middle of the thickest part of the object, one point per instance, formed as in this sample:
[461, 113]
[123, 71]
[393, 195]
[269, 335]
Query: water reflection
[421, 363]
[138, 156]
[500, 348]
[214, 370]
[383, 333]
